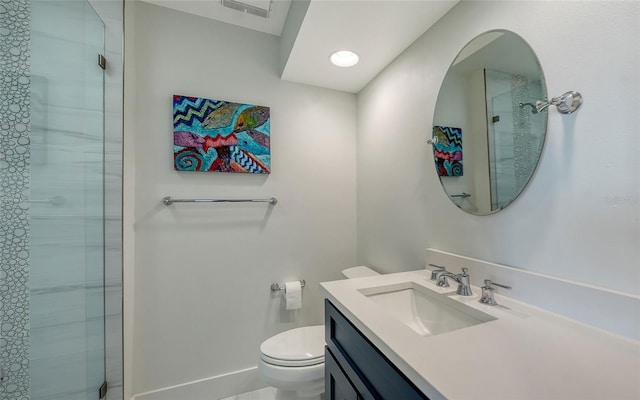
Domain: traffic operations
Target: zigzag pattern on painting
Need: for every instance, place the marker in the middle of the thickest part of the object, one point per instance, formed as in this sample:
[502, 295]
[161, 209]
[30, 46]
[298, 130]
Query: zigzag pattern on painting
[246, 161]
[453, 134]
[260, 164]
[188, 109]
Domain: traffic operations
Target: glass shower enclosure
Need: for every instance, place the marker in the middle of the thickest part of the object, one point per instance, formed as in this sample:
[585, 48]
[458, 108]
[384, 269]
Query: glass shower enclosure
[66, 204]
[515, 133]
[52, 176]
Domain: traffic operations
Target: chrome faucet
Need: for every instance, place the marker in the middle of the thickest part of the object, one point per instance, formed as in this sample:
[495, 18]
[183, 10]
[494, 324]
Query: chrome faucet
[464, 288]
[435, 273]
[487, 292]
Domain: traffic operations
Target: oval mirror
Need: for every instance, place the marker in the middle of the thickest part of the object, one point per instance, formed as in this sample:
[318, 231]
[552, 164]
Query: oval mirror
[487, 134]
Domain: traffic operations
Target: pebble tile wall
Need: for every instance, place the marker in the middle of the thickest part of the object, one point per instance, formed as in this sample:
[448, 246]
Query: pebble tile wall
[14, 198]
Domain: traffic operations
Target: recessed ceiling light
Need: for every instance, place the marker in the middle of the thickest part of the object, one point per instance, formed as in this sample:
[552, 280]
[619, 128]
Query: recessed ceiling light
[344, 58]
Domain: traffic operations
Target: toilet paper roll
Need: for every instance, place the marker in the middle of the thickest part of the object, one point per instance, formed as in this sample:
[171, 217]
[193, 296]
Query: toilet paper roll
[293, 295]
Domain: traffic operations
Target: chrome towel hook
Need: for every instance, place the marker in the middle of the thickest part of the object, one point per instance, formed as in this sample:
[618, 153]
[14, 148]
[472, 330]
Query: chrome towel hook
[566, 103]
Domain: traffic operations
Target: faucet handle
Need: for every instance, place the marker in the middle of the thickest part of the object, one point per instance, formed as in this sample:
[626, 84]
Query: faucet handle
[488, 283]
[487, 292]
[434, 272]
[464, 271]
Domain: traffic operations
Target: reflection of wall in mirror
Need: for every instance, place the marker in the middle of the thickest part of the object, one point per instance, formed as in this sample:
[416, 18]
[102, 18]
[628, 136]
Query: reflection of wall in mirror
[453, 98]
[476, 111]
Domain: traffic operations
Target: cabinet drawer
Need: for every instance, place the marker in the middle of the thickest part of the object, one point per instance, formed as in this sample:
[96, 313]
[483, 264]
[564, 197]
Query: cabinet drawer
[380, 378]
[337, 385]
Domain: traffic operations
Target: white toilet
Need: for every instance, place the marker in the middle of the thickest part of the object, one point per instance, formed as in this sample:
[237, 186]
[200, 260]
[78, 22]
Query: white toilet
[293, 361]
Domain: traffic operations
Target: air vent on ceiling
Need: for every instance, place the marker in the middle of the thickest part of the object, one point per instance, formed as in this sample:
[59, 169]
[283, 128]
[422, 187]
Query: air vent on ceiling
[250, 8]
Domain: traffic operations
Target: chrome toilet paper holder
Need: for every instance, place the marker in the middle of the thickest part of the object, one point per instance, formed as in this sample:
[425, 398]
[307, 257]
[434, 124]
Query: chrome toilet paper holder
[275, 287]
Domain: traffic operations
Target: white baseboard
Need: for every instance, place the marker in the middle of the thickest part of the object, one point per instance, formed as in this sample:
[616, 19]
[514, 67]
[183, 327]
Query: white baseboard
[212, 388]
[614, 311]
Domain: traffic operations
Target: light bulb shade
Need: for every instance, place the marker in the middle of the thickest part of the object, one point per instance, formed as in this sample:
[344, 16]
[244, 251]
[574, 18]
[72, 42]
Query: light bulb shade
[344, 58]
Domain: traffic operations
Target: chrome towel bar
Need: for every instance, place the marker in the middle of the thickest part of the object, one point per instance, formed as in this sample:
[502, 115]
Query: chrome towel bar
[167, 201]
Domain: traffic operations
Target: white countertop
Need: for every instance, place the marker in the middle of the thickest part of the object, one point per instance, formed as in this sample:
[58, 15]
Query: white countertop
[526, 353]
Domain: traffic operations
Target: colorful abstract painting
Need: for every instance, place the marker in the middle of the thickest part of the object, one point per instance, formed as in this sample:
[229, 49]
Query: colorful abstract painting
[220, 136]
[448, 150]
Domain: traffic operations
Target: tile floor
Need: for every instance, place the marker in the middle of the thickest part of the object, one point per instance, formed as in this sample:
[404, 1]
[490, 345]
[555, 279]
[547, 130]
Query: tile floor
[267, 393]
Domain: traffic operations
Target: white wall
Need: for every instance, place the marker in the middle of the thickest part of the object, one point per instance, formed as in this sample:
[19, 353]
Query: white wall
[579, 217]
[203, 271]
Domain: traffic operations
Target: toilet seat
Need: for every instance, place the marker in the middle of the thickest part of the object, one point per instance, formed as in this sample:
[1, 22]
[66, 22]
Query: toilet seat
[297, 347]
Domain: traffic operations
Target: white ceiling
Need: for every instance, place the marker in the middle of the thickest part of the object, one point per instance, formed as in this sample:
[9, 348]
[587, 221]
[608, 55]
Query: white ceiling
[378, 30]
[213, 9]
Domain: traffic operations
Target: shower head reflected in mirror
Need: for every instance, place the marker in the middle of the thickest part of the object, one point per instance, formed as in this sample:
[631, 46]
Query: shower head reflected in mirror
[534, 110]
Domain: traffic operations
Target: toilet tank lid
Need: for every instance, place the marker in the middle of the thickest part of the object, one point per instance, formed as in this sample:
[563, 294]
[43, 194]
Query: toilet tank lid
[296, 344]
[358, 272]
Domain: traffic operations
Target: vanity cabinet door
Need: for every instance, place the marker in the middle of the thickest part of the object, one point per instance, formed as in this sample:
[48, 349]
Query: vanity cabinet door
[337, 385]
[372, 375]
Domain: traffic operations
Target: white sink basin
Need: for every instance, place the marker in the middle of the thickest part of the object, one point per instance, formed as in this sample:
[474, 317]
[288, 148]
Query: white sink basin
[426, 312]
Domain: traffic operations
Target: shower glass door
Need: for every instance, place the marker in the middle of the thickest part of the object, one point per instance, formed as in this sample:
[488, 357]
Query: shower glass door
[501, 157]
[67, 355]
[515, 133]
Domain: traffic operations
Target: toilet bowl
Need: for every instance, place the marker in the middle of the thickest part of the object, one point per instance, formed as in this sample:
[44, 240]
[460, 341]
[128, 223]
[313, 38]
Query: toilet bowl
[293, 361]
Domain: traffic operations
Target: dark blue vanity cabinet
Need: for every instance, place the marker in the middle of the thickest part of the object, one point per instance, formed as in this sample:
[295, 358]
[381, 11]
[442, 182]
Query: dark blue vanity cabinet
[355, 369]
